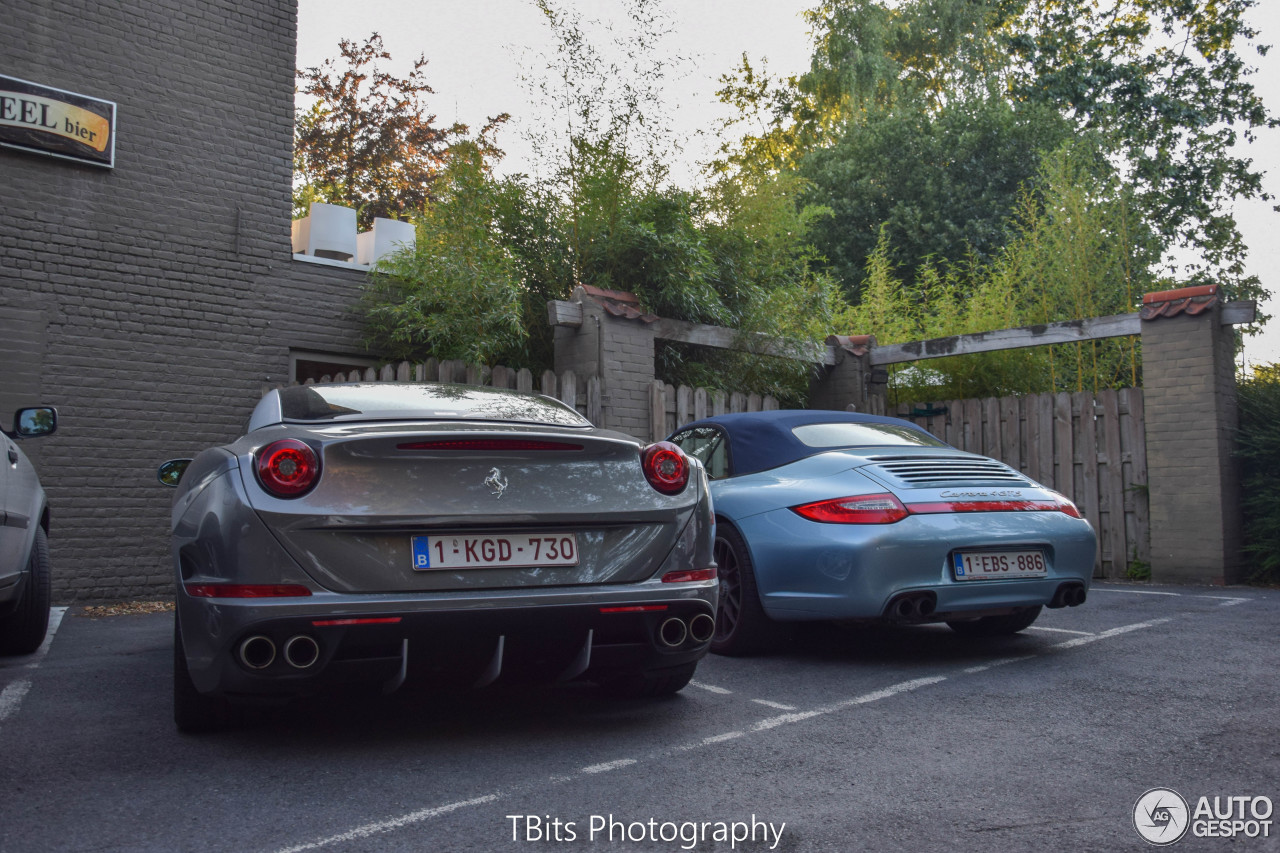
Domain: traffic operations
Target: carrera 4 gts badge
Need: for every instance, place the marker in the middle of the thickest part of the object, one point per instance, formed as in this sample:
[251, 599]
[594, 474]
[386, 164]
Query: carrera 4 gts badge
[496, 482]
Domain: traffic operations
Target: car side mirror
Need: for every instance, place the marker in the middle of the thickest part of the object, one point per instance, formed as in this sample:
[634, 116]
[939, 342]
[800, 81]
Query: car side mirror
[35, 422]
[170, 473]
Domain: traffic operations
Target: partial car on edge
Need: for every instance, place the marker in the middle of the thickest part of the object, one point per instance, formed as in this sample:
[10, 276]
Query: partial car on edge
[362, 535]
[846, 516]
[25, 577]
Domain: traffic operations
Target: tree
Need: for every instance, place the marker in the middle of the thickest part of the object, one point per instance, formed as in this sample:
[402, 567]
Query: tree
[457, 293]
[1162, 82]
[1078, 250]
[941, 184]
[368, 141]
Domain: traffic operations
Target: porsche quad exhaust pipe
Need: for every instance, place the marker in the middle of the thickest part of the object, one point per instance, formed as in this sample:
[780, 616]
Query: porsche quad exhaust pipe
[301, 651]
[257, 652]
[912, 606]
[1069, 595]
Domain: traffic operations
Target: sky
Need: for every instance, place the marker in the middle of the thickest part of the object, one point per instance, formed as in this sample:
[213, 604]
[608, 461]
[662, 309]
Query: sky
[479, 51]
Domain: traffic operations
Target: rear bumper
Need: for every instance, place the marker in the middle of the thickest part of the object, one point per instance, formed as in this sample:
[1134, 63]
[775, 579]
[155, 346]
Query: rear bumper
[808, 570]
[381, 642]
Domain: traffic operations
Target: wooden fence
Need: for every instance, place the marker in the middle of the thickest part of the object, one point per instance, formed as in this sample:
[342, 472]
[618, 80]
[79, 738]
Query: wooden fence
[1090, 447]
[671, 406]
[565, 387]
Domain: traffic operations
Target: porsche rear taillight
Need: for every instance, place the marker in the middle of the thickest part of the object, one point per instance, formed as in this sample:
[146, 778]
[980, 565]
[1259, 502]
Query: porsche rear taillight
[858, 509]
[287, 468]
[665, 467]
[886, 509]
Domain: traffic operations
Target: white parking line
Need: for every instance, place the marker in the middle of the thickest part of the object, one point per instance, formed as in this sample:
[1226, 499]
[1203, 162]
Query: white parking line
[1113, 632]
[995, 663]
[710, 688]
[609, 765]
[395, 823]
[721, 738]
[1060, 630]
[11, 697]
[777, 705]
[761, 726]
[1227, 600]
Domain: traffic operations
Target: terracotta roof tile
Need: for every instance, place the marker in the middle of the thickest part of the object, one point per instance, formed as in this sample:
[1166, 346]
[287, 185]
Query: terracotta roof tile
[619, 303]
[1171, 303]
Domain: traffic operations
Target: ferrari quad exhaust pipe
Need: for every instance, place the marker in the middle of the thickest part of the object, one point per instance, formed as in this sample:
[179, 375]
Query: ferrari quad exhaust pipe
[257, 652]
[672, 632]
[301, 651]
[701, 628]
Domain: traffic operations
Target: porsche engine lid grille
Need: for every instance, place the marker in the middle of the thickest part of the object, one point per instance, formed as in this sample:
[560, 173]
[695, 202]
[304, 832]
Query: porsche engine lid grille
[932, 471]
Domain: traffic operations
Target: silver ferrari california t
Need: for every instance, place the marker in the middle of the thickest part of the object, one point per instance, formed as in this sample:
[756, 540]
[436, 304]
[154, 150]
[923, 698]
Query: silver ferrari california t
[373, 534]
[845, 516]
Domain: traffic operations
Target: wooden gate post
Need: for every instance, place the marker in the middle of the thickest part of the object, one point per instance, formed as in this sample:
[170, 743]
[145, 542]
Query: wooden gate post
[1188, 372]
[847, 382]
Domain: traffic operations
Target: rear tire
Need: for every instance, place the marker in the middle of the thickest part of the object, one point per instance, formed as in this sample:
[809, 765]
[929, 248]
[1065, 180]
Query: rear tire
[996, 626]
[742, 626]
[23, 630]
[194, 712]
[650, 683]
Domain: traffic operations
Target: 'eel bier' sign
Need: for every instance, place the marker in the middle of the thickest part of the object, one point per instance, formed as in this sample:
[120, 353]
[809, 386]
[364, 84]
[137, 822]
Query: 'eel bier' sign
[57, 123]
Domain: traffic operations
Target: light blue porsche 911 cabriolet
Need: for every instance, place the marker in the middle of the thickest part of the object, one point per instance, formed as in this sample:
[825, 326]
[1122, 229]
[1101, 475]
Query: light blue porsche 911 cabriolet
[846, 516]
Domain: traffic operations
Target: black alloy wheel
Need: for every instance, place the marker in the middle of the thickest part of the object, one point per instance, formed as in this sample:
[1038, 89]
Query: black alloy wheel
[742, 626]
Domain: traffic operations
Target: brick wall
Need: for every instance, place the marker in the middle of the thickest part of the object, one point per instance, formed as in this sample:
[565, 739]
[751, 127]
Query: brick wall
[626, 346]
[164, 290]
[1191, 417]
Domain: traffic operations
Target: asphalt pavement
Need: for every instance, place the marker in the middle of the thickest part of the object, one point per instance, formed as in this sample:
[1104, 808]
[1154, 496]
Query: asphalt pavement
[843, 738]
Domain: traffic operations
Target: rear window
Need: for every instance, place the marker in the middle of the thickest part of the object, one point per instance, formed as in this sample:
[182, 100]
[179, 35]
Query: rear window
[396, 401]
[863, 435]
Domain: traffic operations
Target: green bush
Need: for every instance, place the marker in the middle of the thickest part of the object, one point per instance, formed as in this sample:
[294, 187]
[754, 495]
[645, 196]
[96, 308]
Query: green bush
[1258, 447]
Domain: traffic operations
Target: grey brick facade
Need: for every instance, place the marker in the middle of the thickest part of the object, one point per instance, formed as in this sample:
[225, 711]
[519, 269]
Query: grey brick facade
[152, 300]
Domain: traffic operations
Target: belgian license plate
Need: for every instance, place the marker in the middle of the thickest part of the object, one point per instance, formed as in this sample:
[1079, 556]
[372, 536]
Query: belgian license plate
[494, 550]
[994, 565]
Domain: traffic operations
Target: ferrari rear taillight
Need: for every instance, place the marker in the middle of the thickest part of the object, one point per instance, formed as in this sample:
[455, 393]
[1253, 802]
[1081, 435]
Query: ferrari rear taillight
[246, 590]
[287, 468]
[858, 509]
[665, 467]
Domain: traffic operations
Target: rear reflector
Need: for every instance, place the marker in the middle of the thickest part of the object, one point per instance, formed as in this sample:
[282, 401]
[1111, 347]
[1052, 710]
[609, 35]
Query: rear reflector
[994, 506]
[376, 620]
[246, 590]
[488, 444]
[690, 576]
[634, 608]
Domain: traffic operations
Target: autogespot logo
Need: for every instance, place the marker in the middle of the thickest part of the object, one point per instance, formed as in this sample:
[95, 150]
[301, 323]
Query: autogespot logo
[1161, 816]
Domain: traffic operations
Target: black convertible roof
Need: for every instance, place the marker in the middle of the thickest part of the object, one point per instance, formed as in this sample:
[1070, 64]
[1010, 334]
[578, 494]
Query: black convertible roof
[762, 440]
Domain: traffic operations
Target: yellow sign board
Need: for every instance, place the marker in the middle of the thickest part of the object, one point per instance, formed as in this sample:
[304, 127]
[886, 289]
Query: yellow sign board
[51, 121]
